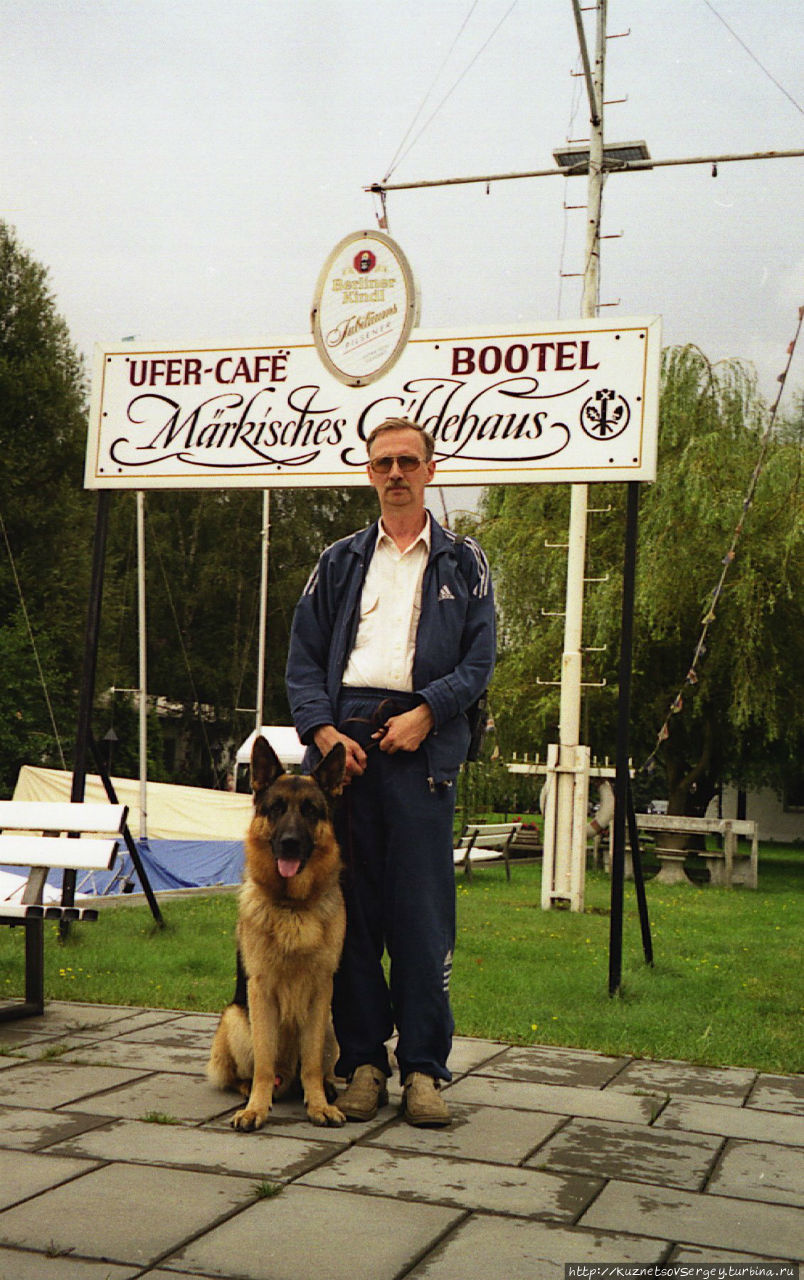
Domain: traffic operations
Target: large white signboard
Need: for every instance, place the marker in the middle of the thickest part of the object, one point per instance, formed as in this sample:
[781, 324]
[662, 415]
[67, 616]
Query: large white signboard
[550, 403]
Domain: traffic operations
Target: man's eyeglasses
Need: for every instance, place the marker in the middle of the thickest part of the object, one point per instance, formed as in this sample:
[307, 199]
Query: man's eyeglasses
[405, 461]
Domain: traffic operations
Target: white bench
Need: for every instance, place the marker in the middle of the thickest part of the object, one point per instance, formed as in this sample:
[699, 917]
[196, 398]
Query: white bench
[727, 865]
[45, 835]
[485, 842]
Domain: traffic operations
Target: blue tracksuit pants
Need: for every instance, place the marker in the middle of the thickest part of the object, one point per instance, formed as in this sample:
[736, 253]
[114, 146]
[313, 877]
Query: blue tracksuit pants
[395, 832]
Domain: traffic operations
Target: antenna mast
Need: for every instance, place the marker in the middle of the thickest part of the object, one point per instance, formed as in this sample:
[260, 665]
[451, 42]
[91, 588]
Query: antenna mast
[564, 865]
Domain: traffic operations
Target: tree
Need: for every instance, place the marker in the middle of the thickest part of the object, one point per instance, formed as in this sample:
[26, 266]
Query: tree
[741, 711]
[203, 568]
[203, 580]
[45, 518]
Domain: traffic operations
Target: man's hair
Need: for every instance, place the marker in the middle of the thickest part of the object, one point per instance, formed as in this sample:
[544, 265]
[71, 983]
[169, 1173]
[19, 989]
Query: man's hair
[403, 424]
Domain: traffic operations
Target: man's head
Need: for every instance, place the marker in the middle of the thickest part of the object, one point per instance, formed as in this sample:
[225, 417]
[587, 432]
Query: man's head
[402, 424]
[400, 464]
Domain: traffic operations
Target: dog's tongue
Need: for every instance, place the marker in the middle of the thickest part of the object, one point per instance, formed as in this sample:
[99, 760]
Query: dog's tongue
[288, 867]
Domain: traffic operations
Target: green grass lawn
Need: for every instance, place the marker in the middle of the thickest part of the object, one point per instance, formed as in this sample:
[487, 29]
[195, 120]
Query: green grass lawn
[725, 988]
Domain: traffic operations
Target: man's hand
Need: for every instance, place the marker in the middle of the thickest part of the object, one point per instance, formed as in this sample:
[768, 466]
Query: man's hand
[326, 736]
[406, 732]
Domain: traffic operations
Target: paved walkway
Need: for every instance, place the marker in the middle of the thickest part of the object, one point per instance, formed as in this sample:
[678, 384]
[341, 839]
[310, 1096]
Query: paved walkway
[117, 1161]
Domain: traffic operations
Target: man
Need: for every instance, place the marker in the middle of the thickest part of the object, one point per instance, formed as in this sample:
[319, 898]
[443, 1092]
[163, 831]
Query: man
[392, 642]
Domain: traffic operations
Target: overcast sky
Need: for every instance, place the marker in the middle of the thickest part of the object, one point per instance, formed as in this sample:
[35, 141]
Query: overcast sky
[183, 168]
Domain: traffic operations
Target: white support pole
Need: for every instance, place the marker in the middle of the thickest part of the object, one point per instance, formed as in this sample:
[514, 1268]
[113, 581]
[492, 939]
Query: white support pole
[265, 541]
[564, 871]
[143, 664]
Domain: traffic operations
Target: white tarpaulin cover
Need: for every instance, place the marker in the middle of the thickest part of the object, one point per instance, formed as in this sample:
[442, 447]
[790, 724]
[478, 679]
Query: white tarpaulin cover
[174, 813]
[284, 740]
[195, 835]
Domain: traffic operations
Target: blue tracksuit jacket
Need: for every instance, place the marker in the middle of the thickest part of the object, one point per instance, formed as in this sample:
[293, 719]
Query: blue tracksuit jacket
[455, 642]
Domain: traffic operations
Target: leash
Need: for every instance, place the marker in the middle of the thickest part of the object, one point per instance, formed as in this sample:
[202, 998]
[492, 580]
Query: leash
[377, 720]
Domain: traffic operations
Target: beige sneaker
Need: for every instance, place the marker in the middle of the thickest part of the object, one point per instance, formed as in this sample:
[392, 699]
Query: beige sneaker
[422, 1104]
[365, 1093]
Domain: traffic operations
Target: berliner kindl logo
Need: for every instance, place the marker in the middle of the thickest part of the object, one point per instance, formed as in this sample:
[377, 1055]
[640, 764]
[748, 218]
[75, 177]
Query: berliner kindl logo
[364, 308]
[364, 262]
[605, 415]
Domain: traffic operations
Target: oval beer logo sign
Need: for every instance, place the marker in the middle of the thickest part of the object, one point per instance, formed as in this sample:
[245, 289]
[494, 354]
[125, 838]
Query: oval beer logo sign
[364, 307]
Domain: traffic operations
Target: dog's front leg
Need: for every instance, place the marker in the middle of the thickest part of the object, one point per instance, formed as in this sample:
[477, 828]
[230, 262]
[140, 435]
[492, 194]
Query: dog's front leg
[313, 1039]
[264, 1019]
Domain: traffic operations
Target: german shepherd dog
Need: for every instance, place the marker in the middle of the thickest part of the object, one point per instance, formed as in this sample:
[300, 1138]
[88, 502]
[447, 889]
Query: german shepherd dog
[290, 929]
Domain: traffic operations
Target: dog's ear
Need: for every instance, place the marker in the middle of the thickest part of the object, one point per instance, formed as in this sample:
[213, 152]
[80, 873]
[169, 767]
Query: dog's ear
[265, 764]
[329, 774]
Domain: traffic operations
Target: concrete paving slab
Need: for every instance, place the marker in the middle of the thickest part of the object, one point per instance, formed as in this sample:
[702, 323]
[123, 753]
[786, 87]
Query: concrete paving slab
[149, 1056]
[727, 1085]
[547, 1065]
[633, 1153]
[778, 1093]
[172, 1035]
[464, 1184]
[761, 1171]
[552, 1099]
[130, 1020]
[476, 1133]
[469, 1055]
[216, 1151]
[176, 1096]
[24, 1174]
[485, 1248]
[18, 1264]
[549, 1160]
[733, 1122]
[689, 1254]
[290, 1120]
[159, 1274]
[16, 1035]
[45, 1049]
[124, 1213]
[62, 1016]
[307, 1232]
[29, 1129]
[29, 1084]
[708, 1220]
[195, 1022]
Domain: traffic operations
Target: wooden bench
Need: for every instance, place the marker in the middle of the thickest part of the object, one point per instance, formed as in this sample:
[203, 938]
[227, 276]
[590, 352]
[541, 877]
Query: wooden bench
[727, 865]
[527, 843]
[78, 837]
[485, 842]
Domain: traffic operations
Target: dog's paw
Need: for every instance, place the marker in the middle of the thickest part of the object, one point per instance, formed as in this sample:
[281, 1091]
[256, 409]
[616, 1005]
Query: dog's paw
[248, 1119]
[327, 1115]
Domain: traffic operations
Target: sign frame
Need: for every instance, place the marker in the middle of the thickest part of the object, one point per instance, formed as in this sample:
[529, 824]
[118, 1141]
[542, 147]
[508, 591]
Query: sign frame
[504, 406]
[359, 332]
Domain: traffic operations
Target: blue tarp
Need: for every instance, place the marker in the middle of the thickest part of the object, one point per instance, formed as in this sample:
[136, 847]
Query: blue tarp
[177, 864]
[169, 864]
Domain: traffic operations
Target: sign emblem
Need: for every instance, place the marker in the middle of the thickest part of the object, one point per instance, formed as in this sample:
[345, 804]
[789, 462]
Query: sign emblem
[364, 309]
[605, 415]
[364, 262]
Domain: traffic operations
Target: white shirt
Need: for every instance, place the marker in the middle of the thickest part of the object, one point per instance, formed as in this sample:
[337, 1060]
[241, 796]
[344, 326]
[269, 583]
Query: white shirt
[385, 644]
